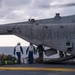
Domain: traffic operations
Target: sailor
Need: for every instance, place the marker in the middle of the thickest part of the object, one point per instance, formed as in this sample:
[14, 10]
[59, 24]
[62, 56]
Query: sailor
[30, 50]
[18, 50]
[40, 50]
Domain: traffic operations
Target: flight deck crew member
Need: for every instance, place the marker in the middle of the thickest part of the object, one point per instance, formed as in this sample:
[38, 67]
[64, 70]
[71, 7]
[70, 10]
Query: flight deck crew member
[18, 50]
[30, 50]
[40, 50]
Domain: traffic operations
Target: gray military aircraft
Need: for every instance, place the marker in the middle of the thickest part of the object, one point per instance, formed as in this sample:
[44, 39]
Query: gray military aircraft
[57, 33]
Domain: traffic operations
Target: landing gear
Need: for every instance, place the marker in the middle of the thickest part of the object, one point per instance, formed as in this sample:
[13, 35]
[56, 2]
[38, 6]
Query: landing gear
[64, 58]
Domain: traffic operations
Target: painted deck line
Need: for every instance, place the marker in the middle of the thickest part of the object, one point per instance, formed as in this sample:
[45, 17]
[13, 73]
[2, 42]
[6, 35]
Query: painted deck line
[37, 69]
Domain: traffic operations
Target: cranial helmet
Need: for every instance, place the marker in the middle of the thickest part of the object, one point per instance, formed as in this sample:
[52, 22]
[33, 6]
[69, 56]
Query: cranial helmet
[18, 43]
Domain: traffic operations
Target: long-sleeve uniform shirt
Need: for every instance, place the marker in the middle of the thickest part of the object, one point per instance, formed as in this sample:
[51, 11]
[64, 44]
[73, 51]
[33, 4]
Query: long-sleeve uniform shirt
[18, 49]
[31, 48]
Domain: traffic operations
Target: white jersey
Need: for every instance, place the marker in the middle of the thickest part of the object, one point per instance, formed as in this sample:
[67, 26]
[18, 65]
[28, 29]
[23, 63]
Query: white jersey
[17, 48]
[31, 48]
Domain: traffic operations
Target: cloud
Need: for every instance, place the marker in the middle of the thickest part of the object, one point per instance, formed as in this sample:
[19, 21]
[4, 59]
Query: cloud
[22, 10]
[16, 2]
[41, 2]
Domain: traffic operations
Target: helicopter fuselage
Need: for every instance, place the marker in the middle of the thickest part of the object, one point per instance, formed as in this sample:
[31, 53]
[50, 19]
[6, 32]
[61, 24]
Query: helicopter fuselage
[59, 36]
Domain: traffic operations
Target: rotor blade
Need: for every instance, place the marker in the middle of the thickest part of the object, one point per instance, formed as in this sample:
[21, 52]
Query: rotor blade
[58, 6]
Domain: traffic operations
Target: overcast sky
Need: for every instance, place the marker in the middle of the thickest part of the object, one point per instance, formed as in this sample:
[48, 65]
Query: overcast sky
[21, 10]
